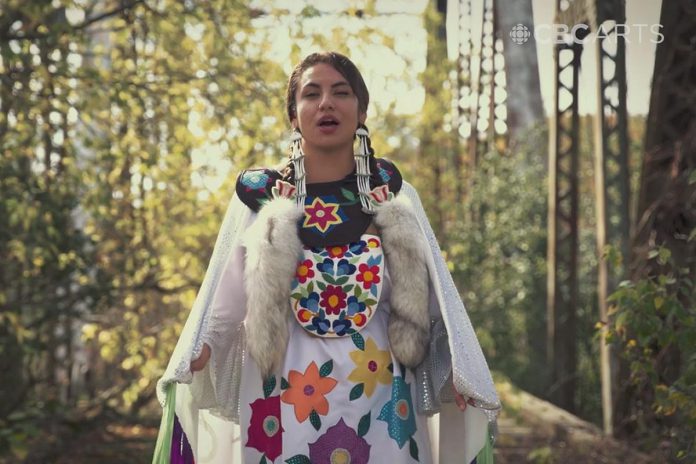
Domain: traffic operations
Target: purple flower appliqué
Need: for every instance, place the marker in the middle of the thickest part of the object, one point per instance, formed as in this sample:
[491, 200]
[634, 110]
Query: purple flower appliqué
[340, 443]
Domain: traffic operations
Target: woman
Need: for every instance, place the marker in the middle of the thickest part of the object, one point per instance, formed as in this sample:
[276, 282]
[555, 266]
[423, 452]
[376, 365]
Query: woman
[326, 318]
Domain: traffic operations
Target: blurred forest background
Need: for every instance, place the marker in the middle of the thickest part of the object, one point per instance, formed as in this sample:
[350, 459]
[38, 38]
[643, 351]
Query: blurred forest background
[123, 124]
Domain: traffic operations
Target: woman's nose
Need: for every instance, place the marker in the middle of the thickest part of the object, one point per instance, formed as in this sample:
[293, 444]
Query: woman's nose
[326, 101]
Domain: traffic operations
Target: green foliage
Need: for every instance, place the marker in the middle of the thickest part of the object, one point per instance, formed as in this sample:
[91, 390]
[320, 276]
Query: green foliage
[653, 325]
[107, 209]
[542, 455]
[499, 260]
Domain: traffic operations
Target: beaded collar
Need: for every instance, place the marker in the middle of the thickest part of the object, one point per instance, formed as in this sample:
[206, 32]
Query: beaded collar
[333, 212]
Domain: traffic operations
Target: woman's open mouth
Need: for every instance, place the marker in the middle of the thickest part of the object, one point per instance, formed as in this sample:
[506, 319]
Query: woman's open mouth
[328, 125]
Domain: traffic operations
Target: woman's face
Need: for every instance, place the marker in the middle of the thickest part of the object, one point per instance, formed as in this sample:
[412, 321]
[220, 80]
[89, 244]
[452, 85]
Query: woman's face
[326, 110]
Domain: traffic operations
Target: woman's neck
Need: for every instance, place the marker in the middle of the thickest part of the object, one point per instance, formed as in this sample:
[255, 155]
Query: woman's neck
[328, 167]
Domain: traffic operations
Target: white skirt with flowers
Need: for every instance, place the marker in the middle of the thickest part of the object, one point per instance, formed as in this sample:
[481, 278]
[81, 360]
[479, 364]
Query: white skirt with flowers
[340, 397]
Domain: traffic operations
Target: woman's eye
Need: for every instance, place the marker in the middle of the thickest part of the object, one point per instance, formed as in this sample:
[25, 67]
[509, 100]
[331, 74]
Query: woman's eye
[313, 94]
[342, 93]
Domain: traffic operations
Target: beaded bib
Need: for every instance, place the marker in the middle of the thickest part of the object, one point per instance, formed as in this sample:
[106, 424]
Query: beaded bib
[336, 288]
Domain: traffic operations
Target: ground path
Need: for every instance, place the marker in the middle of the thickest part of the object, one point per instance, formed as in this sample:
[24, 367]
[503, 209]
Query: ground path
[530, 431]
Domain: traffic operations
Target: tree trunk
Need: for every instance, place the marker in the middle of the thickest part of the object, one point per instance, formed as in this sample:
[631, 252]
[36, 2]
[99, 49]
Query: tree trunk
[667, 202]
[524, 106]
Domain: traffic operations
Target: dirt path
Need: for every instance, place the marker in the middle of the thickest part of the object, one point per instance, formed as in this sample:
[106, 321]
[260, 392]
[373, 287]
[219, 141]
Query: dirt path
[530, 431]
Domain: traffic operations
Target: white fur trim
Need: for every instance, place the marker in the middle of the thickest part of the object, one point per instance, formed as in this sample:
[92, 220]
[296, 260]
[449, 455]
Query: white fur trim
[273, 249]
[405, 251]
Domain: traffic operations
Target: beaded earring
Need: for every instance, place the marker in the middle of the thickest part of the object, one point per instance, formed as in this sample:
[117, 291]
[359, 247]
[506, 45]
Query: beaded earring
[362, 163]
[297, 158]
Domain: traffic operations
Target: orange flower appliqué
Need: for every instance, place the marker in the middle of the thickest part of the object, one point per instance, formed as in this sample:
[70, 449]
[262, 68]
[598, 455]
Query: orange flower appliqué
[307, 392]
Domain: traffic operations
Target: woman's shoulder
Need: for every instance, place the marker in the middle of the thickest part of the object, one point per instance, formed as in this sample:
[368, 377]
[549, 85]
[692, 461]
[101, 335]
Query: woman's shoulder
[389, 174]
[254, 185]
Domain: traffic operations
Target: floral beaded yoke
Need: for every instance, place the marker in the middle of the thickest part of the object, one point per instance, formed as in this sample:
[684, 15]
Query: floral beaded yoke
[336, 288]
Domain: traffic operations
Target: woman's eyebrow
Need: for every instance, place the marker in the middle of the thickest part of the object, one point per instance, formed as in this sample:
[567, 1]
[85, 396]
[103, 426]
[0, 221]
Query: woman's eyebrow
[337, 84]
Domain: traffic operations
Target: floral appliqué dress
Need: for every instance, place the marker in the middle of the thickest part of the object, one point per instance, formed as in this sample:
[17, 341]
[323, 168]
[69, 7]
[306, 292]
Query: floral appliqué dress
[341, 396]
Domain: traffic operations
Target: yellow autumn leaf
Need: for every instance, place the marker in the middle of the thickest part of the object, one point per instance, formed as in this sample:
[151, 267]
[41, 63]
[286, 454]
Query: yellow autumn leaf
[659, 301]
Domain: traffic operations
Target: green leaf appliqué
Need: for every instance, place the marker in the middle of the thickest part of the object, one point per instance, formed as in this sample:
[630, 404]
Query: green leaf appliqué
[359, 341]
[326, 368]
[268, 386]
[413, 449]
[364, 425]
[298, 459]
[315, 420]
[357, 391]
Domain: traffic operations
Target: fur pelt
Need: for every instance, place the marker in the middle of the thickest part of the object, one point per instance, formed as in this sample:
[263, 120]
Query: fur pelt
[273, 248]
[409, 320]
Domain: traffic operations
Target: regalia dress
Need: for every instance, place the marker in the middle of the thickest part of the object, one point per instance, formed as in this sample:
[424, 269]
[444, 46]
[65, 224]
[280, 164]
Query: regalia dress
[324, 377]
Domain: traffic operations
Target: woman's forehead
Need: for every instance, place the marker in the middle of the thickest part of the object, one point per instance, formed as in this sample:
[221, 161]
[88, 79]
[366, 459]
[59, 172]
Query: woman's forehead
[322, 74]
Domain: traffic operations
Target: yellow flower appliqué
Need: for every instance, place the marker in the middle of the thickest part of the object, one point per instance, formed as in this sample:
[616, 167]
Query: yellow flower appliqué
[371, 366]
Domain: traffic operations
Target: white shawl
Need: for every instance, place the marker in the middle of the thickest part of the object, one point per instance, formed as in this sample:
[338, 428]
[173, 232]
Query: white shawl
[207, 401]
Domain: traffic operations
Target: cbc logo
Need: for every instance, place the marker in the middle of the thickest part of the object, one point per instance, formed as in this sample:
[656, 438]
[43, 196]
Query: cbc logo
[520, 34]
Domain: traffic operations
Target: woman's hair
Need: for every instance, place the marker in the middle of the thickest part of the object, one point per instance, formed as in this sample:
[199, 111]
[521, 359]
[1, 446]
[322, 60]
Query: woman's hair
[349, 71]
[341, 64]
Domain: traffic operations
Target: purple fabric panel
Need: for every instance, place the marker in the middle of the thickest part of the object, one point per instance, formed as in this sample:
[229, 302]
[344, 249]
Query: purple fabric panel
[181, 448]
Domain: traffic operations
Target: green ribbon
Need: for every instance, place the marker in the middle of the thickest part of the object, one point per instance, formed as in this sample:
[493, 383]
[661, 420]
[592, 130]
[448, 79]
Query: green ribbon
[485, 456]
[163, 448]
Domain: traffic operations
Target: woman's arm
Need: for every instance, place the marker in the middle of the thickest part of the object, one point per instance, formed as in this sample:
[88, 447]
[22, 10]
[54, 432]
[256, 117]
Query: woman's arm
[228, 309]
[199, 363]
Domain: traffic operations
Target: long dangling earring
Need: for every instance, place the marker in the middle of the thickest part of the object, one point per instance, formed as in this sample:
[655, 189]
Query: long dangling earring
[362, 162]
[297, 158]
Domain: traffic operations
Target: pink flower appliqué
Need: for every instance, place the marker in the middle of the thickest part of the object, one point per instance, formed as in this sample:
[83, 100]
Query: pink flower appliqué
[304, 271]
[380, 194]
[283, 189]
[265, 430]
[368, 275]
[333, 299]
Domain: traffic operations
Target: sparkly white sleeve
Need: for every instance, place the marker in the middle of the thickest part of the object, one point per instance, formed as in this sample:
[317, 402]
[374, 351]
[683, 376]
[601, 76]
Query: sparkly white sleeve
[452, 334]
[215, 319]
[216, 387]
